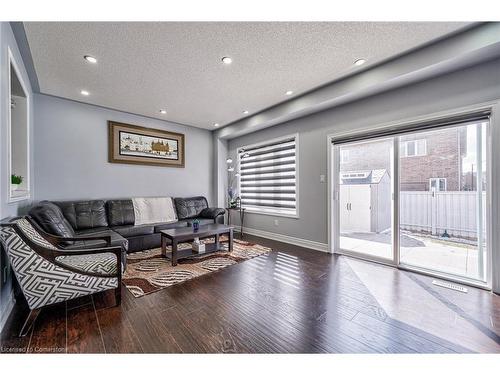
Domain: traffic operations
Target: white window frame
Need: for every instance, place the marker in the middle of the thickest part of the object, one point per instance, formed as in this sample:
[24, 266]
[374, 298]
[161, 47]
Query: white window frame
[438, 179]
[275, 211]
[11, 199]
[415, 141]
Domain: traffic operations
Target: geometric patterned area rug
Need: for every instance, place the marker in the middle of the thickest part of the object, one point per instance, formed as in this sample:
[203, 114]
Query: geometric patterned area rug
[148, 271]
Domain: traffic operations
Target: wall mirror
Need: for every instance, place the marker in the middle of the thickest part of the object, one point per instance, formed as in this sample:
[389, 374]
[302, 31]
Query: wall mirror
[18, 132]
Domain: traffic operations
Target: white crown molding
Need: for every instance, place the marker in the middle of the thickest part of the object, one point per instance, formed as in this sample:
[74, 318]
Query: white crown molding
[314, 245]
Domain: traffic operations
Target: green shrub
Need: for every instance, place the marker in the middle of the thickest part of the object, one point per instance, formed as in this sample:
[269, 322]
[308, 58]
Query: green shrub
[16, 180]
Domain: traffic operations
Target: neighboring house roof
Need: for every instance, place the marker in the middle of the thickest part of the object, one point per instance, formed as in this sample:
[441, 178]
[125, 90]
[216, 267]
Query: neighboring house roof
[363, 177]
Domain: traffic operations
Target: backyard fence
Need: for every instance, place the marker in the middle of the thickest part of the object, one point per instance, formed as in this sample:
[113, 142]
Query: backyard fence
[452, 211]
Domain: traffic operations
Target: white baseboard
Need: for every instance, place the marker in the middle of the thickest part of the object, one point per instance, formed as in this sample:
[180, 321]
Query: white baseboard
[319, 246]
[5, 313]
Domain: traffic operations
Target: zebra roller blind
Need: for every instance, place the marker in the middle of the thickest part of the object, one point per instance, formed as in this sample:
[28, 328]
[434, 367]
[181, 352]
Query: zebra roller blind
[268, 181]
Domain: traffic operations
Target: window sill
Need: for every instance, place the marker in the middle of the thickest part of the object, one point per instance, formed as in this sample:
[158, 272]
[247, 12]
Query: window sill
[271, 213]
[18, 196]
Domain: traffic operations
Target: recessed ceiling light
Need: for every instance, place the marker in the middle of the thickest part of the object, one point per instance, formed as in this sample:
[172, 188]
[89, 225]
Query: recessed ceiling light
[85, 92]
[359, 62]
[163, 111]
[227, 60]
[245, 112]
[216, 125]
[90, 59]
[289, 92]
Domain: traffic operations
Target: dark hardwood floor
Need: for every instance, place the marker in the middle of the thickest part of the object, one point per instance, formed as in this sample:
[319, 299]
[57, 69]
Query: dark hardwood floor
[293, 300]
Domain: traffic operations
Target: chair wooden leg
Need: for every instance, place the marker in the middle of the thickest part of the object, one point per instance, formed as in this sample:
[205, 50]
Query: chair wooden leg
[118, 295]
[28, 323]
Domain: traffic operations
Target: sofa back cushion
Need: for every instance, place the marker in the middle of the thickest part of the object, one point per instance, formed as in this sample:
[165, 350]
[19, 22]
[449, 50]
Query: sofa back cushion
[188, 208]
[85, 214]
[51, 219]
[120, 212]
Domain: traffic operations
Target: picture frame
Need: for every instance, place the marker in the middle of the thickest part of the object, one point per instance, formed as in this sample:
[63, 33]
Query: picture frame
[132, 144]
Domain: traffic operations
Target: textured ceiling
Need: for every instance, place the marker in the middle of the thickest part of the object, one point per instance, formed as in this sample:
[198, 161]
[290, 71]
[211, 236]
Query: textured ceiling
[144, 67]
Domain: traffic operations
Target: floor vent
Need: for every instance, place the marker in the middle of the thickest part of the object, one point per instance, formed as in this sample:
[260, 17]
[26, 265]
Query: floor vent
[445, 284]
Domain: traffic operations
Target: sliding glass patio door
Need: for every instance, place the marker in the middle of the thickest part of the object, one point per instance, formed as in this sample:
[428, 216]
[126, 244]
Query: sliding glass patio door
[365, 198]
[442, 201]
[416, 199]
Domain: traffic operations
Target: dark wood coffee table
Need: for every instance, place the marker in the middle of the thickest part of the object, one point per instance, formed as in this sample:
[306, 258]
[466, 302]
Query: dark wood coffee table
[186, 234]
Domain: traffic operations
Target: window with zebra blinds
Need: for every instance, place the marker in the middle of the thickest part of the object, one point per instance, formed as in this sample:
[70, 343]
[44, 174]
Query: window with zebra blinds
[268, 180]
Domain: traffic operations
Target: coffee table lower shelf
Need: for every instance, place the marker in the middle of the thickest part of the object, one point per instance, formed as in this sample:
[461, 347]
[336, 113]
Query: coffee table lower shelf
[189, 253]
[187, 234]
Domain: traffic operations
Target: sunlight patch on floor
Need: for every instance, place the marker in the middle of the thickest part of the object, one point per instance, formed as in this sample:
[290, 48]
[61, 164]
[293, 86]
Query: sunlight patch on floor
[406, 301]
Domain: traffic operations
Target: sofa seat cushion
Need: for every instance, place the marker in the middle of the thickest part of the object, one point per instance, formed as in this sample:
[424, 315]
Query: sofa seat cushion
[188, 208]
[103, 264]
[134, 230]
[51, 219]
[202, 221]
[116, 239]
[162, 226]
[85, 214]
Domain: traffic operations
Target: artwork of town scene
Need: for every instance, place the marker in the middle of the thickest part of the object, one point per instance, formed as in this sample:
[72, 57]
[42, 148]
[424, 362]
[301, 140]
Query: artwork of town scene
[143, 145]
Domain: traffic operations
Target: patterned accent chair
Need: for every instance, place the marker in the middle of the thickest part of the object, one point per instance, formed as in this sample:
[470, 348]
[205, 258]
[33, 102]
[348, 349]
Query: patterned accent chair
[48, 275]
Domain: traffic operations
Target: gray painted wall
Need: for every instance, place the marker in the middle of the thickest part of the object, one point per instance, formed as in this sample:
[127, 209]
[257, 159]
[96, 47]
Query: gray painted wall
[71, 156]
[463, 88]
[9, 209]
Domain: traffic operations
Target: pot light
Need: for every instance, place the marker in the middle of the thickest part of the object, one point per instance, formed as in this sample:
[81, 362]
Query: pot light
[289, 92]
[90, 59]
[245, 112]
[359, 62]
[163, 111]
[230, 169]
[229, 160]
[216, 125]
[85, 92]
[227, 60]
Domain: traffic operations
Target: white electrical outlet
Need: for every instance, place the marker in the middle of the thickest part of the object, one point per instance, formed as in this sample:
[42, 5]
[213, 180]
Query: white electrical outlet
[322, 178]
[276, 222]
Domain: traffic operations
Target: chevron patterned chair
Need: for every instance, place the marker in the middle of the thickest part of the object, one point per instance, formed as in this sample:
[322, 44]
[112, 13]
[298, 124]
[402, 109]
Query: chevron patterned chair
[48, 275]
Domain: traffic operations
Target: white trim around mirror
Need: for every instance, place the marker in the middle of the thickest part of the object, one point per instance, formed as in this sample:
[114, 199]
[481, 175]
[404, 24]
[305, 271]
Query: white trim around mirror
[17, 198]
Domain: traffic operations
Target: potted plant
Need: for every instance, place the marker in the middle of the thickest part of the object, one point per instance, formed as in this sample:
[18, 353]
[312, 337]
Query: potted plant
[15, 182]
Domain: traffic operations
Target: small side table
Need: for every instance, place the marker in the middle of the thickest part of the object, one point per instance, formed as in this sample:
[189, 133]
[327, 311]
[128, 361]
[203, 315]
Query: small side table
[242, 216]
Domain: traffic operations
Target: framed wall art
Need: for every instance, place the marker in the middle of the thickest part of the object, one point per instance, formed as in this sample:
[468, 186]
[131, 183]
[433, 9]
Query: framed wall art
[131, 144]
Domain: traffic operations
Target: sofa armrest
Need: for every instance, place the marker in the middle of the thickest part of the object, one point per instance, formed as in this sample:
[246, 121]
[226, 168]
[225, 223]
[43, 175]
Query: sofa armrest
[212, 212]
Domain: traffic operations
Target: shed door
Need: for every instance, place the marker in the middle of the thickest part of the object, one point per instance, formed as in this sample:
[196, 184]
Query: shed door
[355, 213]
[360, 208]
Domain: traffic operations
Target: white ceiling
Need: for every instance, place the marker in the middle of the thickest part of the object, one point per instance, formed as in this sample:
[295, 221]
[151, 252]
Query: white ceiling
[145, 67]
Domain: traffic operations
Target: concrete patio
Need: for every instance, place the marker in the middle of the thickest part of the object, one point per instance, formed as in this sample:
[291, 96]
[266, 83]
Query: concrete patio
[418, 250]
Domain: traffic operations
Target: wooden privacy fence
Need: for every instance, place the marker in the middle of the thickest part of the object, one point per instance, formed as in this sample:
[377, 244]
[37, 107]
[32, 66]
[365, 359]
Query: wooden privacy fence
[436, 212]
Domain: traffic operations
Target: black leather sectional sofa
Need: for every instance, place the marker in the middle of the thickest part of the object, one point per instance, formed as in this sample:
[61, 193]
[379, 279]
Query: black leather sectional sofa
[90, 219]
